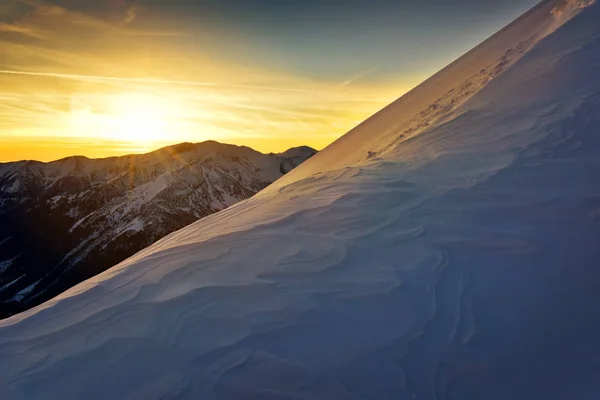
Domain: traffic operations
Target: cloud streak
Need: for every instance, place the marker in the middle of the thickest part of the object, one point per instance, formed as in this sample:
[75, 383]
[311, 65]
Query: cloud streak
[10, 28]
[359, 76]
[130, 15]
[57, 18]
[97, 78]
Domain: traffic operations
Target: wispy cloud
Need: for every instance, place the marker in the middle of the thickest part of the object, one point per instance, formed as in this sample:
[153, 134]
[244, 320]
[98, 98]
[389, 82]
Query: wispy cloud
[46, 13]
[10, 28]
[151, 81]
[130, 15]
[360, 75]
[60, 19]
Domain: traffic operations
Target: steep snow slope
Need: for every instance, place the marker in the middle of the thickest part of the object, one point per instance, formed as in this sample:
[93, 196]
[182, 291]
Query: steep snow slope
[66, 221]
[438, 97]
[457, 262]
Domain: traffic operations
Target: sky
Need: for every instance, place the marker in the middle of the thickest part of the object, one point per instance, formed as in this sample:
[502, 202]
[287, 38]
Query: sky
[110, 77]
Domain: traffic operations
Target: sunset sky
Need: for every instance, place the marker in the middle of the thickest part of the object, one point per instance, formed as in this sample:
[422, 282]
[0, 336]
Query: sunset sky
[109, 77]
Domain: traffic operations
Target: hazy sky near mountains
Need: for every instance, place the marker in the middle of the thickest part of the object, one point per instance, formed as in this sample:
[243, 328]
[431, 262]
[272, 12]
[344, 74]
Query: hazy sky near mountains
[107, 77]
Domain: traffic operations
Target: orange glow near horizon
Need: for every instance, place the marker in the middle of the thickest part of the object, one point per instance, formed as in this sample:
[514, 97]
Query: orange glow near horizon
[45, 122]
[56, 148]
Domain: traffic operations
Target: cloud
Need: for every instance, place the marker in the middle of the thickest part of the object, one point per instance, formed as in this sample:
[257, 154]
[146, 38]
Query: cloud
[55, 19]
[130, 15]
[150, 81]
[10, 28]
[59, 18]
[359, 76]
[52, 21]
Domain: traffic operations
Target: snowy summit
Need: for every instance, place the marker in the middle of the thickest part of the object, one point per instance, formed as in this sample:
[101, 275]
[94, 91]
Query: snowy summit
[446, 248]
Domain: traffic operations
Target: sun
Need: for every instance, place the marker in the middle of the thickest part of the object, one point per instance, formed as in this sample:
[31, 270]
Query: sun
[140, 118]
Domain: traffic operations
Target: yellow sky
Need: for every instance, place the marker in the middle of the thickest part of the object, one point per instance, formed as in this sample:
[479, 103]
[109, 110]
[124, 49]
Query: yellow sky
[72, 83]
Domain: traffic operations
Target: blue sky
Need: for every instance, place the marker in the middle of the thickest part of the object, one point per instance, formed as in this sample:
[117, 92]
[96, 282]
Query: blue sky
[338, 38]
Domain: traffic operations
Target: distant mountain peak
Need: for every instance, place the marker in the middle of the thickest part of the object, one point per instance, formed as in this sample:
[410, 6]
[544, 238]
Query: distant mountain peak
[89, 214]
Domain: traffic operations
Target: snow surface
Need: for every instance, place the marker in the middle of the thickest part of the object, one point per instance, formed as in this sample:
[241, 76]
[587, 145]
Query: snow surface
[5, 264]
[447, 248]
[9, 284]
[19, 296]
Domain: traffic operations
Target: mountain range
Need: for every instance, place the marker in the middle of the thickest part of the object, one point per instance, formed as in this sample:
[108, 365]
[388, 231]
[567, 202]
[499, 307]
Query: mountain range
[66, 221]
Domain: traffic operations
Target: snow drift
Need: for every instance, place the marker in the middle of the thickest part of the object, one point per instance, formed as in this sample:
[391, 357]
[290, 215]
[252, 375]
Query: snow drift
[447, 248]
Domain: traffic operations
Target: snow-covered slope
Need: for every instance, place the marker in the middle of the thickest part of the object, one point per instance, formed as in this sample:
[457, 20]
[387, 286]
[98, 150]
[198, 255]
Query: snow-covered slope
[447, 248]
[66, 221]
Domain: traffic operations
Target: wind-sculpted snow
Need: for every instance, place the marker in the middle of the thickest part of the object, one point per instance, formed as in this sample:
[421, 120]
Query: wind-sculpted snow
[460, 263]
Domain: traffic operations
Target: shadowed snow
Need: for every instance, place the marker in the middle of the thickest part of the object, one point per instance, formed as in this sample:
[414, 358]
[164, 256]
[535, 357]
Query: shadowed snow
[445, 249]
